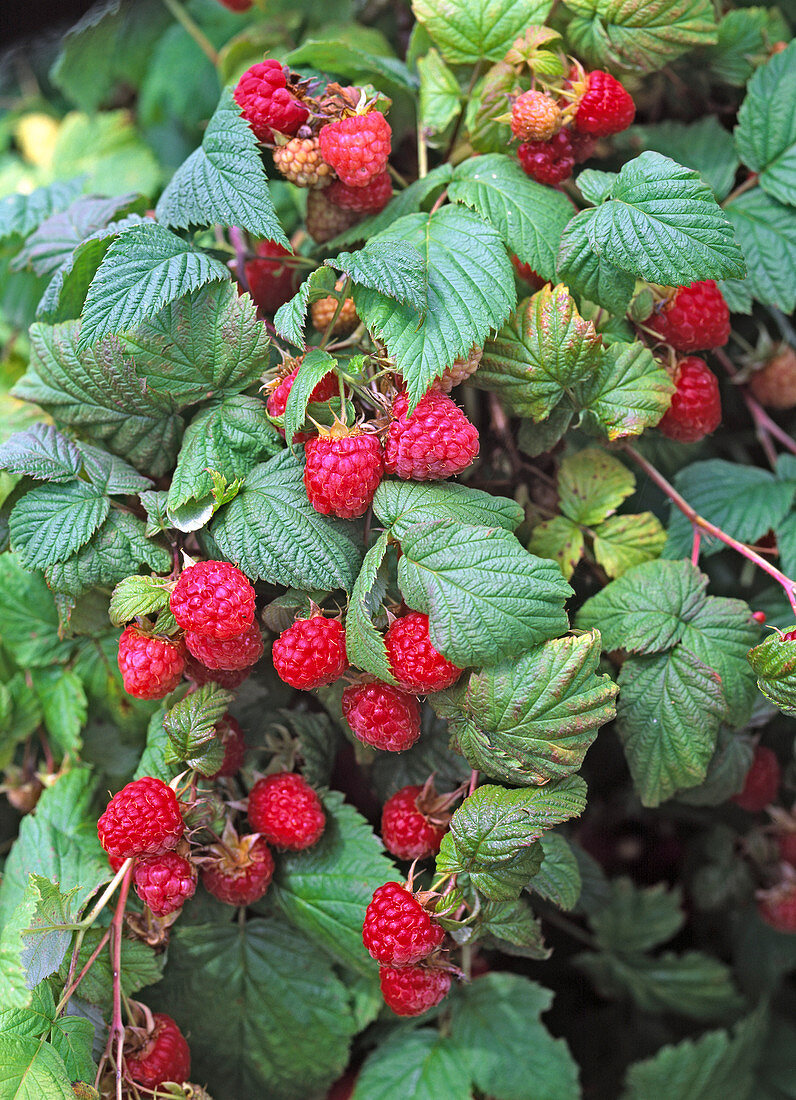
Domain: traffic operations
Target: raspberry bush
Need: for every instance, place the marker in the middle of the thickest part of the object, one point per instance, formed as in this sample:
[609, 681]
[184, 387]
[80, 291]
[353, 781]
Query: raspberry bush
[397, 543]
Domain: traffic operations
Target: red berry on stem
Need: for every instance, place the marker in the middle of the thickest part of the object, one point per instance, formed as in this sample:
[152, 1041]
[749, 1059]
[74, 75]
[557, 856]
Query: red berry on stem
[535, 117]
[225, 678]
[774, 384]
[414, 662]
[266, 102]
[227, 654]
[397, 930]
[241, 871]
[164, 1056]
[406, 831]
[357, 147]
[694, 318]
[143, 818]
[237, 5]
[548, 161]
[370, 199]
[286, 811]
[413, 990]
[151, 666]
[213, 599]
[271, 281]
[761, 785]
[327, 388]
[234, 746]
[606, 106]
[164, 883]
[382, 716]
[435, 441]
[343, 468]
[311, 653]
[695, 410]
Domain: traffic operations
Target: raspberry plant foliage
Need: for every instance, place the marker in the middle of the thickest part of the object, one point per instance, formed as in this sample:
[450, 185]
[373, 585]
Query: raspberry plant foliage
[408, 368]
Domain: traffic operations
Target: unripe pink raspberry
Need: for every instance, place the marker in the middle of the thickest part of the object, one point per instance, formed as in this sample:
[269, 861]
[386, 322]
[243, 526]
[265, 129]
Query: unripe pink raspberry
[406, 831]
[535, 117]
[434, 442]
[413, 990]
[382, 716]
[311, 653]
[213, 599]
[266, 102]
[369, 199]
[151, 666]
[414, 662]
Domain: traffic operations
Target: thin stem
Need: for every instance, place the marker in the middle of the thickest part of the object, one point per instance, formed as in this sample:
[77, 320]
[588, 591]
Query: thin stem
[566, 925]
[72, 985]
[117, 1027]
[106, 895]
[710, 528]
[747, 184]
[764, 425]
[695, 546]
[396, 175]
[475, 775]
[340, 303]
[194, 30]
[422, 153]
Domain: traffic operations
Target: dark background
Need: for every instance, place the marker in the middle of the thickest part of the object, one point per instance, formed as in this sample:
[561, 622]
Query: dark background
[20, 19]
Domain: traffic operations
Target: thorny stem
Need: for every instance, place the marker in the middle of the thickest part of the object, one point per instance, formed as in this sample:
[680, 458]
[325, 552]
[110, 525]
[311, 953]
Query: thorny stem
[710, 528]
[194, 30]
[764, 425]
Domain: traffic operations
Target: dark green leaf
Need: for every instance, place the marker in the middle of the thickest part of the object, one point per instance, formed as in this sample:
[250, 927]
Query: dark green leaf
[587, 273]
[766, 132]
[400, 504]
[51, 523]
[415, 1065]
[766, 231]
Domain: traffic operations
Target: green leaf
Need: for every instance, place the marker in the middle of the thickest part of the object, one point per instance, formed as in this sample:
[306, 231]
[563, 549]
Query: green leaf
[140, 967]
[415, 1065]
[14, 988]
[20, 214]
[742, 500]
[349, 57]
[539, 354]
[512, 927]
[486, 597]
[720, 633]
[229, 437]
[634, 34]
[766, 231]
[53, 242]
[774, 664]
[766, 132]
[669, 710]
[630, 391]
[560, 539]
[289, 319]
[43, 453]
[510, 1052]
[440, 94]
[64, 706]
[50, 523]
[106, 149]
[44, 941]
[588, 274]
[190, 725]
[470, 290]
[529, 216]
[324, 891]
[663, 224]
[28, 617]
[496, 880]
[146, 268]
[558, 880]
[304, 1022]
[712, 1067]
[591, 486]
[223, 181]
[400, 504]
[119, 548]
[638, 918]
[73, 1039]
[704, 146]
[646, 610]
[34, 1020]
[408, 201]
[486, 105]
[392, 268]
[364, 643]
[536, 439]
[726, 772]
[532, 720]
[31, 1069]
[272, 531]
[138, 595]
[624, 541]
[316, 364]
[99, 392]
[478, 30]
[208, 344]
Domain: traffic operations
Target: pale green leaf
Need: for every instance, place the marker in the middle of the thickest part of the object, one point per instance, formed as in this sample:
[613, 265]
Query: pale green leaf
[43, 453]
[624, 541]
[704, 146]
[400, 504]
[440, 94]
[64, 707]
[637, 34]
[31, 1069]
[468, 31]
[415, 1065]
[591, 486]
[560, 539]
[119, 548]
[395, 269]
[20, 214]
[588, 274]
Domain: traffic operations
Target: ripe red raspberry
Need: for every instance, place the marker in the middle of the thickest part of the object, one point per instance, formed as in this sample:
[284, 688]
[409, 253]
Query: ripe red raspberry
[342, 471]
[777, 906]
[762, 781]
[696, 317]
[789, 636]
[286, 811]
[382, 716]
[227, 654]
[413, 990]
[527, 273]
[241, 871]
[164, 883]
[201, 674]
[311, 653]
[357, 147]
[435, 442]
[300, 161]
[535, 117]
[583, 146]
[786, 842]
[695, 410]
[759, 616]
[323, 314]
[164, 1055]
[236, 5]
[414, 662]
[271, 281]
[370, 199]
[234, 746]
[548, 161]
[775, 384]
[213, 599]
[266, 102]
[397, 930]
[324, 220]
[606, 107]
[142, 819]
[406, 831]
[327, 388]
[459, 370]
[151, 666]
